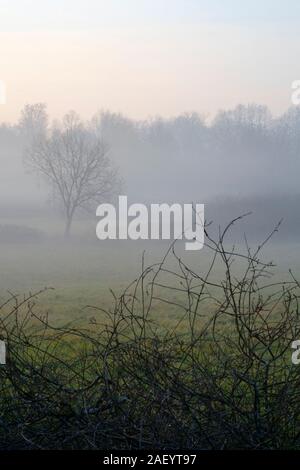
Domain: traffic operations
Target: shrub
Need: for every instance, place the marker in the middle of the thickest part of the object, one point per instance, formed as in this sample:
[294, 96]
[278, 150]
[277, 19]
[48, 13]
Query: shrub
[223, 381]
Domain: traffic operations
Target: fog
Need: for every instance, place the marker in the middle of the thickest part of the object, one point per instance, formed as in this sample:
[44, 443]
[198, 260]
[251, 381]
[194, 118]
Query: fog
[244, 160]
[153, 59]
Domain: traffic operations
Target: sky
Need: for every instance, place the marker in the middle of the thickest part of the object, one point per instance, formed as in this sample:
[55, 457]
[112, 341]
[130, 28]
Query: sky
[148, 57]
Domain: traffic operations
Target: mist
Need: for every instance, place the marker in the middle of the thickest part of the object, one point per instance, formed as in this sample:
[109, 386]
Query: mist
[244, 160]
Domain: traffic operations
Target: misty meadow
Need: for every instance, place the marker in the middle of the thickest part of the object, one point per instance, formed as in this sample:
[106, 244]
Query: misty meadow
[130, 344]
[180, 330]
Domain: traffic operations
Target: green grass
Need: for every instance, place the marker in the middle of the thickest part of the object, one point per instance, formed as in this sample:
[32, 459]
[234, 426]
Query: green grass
[82, 272]
[158, 375]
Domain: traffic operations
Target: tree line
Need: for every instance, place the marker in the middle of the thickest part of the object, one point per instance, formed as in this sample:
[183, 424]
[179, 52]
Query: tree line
[244, 151]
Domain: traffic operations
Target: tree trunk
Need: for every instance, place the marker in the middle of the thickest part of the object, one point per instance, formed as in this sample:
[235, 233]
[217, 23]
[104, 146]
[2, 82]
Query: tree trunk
[68, 227]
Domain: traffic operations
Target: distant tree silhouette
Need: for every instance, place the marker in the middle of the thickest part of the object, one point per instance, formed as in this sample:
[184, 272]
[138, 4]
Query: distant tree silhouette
[74, 161]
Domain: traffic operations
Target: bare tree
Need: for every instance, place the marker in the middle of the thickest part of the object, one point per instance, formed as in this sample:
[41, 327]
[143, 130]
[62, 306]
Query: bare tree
[74, 161]
[33, 122]
[217, 375]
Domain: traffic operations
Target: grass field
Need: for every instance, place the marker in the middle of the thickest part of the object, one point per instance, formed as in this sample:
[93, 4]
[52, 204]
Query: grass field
[140, 379]
[83, 270]
[82, 273]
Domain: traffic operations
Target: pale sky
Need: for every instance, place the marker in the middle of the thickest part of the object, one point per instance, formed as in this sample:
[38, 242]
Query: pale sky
[148, 57]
